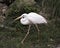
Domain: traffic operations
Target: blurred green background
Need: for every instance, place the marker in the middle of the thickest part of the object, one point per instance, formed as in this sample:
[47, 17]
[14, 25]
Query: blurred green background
[49, 36]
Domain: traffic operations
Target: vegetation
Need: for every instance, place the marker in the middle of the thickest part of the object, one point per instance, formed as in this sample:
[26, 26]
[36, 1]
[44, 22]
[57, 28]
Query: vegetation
[49, 36]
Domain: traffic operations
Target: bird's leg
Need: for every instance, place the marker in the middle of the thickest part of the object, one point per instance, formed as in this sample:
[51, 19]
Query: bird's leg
[26, 34]
[38, 30]
[37, 27]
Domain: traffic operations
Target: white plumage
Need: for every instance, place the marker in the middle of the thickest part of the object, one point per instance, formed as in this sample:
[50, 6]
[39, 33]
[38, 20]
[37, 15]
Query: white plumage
[36, 18]
[31, 18]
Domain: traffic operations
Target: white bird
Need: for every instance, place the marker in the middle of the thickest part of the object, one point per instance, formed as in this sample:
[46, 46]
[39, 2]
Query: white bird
[29, 19]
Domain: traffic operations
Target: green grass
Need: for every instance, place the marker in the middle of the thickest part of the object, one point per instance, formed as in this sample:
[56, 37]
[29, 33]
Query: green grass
[49, 36]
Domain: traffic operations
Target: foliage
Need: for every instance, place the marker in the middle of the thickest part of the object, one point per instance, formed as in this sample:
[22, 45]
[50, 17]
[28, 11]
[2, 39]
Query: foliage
[49, 36]
[7, 2]
[50, 6]
[18, 8]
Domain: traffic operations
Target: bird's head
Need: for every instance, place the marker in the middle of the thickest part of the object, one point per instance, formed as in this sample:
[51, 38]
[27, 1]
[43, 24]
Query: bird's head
[22, 16]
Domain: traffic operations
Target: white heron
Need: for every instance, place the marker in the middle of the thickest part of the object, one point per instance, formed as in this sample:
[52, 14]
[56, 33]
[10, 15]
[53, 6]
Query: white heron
[29, 19]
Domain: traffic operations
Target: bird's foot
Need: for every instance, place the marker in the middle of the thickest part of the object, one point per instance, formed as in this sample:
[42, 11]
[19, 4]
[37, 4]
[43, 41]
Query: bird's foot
[22, 42]
[38, 30]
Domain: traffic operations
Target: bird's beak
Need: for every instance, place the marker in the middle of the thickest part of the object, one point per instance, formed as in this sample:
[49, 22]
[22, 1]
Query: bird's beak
[18, 18]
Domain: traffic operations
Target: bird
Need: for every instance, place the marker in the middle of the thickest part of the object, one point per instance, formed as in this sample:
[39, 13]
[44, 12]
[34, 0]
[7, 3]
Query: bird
[29, 19]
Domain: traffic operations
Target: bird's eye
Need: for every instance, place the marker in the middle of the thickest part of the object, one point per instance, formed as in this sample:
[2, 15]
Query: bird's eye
[23, 17]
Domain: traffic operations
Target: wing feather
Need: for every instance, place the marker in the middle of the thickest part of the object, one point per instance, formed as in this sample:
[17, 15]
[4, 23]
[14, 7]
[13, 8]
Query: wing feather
[36, 18]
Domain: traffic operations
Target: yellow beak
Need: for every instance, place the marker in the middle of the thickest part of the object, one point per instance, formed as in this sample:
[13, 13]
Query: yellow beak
[17, 18]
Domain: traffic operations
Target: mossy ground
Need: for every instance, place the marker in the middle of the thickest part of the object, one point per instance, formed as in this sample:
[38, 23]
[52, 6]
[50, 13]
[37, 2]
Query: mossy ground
[49, 36]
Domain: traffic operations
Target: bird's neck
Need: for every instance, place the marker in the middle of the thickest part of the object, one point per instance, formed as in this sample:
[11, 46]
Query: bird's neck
[24, 21]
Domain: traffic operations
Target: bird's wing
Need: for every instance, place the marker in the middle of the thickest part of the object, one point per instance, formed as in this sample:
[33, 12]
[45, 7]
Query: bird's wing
[36, 18]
